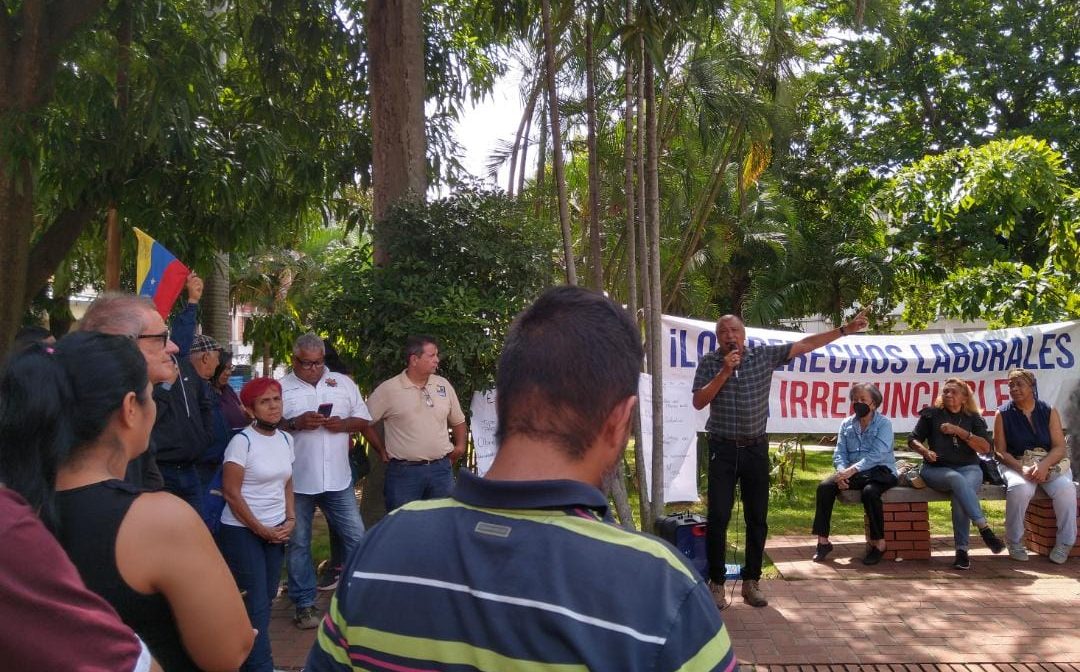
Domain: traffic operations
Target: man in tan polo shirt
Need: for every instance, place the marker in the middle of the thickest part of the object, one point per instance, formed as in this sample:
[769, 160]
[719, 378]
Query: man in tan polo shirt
[416, 407]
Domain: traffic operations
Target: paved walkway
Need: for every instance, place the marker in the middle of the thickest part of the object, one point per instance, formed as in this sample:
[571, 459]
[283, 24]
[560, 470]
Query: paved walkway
[895, 617]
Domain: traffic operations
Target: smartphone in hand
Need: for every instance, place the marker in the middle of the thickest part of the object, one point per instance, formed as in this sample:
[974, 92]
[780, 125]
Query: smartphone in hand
[325, 409]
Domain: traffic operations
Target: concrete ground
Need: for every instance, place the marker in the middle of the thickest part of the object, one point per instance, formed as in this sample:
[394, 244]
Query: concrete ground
[895, 617]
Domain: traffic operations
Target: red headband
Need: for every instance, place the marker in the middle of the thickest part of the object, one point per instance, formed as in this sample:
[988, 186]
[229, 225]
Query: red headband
[255, 388]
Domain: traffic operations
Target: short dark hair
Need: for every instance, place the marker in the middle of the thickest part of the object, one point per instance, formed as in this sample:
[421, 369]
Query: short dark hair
[568, 360]
[414, 345]
[52, 405]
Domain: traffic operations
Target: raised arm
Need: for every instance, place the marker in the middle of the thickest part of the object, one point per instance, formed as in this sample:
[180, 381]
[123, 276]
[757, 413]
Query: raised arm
[815, 341]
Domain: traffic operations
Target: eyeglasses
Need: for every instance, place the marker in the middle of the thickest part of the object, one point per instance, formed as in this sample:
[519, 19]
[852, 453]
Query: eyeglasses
[427, 397]
[164, 336]
[308, 363]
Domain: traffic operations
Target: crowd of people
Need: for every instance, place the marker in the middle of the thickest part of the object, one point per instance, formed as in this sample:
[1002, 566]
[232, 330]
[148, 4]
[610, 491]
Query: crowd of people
[950, 435]
[150, 509]
[166, 504]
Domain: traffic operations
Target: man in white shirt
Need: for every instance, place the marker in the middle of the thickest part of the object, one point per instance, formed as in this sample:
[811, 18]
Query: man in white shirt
[416, 408]
[321, 410]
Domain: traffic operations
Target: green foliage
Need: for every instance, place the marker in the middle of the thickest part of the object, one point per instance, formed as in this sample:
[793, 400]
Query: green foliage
[987, 232]
[461, 268]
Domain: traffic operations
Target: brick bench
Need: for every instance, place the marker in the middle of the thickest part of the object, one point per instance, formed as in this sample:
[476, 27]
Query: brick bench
[907, 520]
[907, 517]
[1040, 525]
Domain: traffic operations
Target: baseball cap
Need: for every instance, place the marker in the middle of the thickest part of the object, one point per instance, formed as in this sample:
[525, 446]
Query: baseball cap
[204, 343]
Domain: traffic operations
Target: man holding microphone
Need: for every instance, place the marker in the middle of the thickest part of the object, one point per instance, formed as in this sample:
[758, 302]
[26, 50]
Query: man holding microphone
[734, 381]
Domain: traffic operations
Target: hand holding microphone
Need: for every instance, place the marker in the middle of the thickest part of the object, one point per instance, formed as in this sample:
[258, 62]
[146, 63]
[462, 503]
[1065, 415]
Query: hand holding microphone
[733, 359]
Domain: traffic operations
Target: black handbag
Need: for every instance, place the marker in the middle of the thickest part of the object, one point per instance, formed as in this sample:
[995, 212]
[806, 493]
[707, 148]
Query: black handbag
[991, 472]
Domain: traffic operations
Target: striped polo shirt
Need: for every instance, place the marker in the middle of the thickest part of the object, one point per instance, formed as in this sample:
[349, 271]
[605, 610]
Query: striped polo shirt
[517, 576]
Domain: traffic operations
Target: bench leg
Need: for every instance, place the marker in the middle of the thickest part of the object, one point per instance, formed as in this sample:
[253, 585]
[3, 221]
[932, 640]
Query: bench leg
[907, 531]
[1040, 527]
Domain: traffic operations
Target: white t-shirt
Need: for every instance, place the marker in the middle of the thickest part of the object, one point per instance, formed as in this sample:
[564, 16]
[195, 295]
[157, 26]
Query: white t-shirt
[267, 463]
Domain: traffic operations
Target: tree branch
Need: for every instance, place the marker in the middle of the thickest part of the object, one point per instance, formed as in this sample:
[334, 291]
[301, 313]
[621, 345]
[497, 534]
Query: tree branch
[53, 246]
[68, 16]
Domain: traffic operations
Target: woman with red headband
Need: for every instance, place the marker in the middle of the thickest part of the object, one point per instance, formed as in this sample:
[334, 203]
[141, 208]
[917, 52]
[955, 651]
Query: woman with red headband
[258, 516]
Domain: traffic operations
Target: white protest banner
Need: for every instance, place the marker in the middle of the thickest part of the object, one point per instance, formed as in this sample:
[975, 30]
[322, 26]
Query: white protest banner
[483, 426]
[810, 393]
[680, 438]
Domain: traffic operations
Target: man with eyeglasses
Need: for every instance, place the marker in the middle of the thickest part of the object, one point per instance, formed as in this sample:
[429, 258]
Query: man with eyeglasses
[137, 317]
[321, 410]
[416, 407]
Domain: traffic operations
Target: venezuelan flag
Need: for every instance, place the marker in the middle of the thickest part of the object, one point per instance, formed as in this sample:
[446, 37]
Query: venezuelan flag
[158, 274]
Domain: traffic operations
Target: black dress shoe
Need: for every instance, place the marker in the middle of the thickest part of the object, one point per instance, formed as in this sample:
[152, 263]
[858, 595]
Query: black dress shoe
[821, 551]
[873, 556]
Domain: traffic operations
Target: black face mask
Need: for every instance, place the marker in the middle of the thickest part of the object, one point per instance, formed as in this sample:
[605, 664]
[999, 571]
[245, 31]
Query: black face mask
[861, 410]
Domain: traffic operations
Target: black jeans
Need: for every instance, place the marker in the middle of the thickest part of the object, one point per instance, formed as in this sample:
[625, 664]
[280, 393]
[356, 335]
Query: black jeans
[871, 483]
[749, 465]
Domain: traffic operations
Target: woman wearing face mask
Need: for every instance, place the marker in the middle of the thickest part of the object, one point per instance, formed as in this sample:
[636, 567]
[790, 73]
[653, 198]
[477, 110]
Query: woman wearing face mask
[950, 435]
[1025, 423]
[865, 462]
[259, 516]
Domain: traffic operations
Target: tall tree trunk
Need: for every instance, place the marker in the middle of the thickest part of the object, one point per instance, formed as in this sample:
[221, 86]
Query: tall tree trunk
[123, 91]
[216, 309]
[656, 354]
[630, 209]
[524, 157]
[31, 37]
[541, 162]
[16, 225]
[596, 271]
[526, 117]
[556, 143]
[395, 35]
[646, 297]
[267, 362]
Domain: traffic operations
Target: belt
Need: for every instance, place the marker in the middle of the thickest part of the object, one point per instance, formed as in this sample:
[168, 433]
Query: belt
[417, 463]
[739, 441]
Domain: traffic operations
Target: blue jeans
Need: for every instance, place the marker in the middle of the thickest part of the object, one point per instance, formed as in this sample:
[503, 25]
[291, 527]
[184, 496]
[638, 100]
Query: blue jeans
[963, 482]
[342, 513]
[182, 480]
[256, 565]
[409, 482]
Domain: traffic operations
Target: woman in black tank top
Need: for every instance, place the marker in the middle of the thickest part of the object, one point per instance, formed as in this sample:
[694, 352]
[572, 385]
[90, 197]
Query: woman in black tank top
[72, 419]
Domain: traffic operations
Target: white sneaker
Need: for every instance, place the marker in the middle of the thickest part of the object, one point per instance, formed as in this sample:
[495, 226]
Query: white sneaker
[1018, 552]
[1060, 554]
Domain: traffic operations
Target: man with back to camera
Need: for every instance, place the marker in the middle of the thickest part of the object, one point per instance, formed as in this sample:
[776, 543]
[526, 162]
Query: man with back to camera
[525, 568]
[734, 381]
[416, 407]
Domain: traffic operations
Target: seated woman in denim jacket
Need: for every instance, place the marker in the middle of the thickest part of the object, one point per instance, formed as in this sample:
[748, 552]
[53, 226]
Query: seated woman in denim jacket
[865, 462]
[1024, 423]
[950, 435]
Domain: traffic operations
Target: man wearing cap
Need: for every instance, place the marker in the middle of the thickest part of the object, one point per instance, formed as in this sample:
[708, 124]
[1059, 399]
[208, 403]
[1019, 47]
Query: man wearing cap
[416, 407]
[184, 426]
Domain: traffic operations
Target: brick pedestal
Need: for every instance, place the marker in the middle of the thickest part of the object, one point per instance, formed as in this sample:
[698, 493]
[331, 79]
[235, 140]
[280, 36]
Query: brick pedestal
[907, 530]
[1040, 526]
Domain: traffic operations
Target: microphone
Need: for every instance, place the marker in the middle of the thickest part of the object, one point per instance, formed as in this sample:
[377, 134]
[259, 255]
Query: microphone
[732, 348]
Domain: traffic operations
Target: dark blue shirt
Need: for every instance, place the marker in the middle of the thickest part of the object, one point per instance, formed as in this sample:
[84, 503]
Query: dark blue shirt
[518, 575]
[1021, 435]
